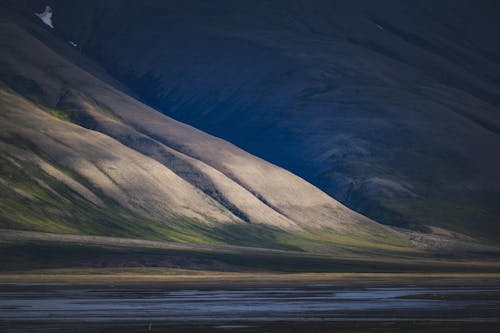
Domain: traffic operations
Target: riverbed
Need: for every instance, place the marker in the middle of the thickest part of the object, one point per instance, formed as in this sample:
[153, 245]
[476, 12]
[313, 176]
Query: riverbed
[55, 308]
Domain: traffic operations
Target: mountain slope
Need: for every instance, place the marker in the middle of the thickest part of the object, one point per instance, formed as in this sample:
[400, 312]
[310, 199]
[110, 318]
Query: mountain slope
[80, 156]
[392, 107]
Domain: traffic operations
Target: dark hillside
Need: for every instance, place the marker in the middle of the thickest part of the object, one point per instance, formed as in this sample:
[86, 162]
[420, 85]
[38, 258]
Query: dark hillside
[391, 107]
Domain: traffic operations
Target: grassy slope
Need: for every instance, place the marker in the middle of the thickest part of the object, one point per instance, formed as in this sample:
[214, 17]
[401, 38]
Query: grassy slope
[412, 99]
[46, 254]
[37, 204]
[42, 203]
[30, 199]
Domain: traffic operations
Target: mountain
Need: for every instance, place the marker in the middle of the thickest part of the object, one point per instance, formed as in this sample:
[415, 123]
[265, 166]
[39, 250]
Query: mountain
[81, 156]
[391, 107]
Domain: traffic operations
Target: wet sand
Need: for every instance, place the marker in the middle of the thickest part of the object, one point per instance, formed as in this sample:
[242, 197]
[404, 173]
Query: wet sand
[335, 305]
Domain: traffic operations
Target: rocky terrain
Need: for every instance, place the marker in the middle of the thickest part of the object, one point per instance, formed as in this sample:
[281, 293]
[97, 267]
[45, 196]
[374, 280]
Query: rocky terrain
[350, 97]
[391, 107]
[81, 156]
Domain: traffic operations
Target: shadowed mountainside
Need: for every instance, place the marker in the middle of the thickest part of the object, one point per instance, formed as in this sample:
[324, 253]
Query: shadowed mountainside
[391, 107]
[80, 156]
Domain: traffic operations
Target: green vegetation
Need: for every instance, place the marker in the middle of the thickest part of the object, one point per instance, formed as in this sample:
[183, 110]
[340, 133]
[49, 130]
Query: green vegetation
[30, 255]
[33, 200]
[59, 114]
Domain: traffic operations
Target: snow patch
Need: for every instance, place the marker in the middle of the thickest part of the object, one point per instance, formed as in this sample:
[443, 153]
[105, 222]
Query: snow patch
[46, 16]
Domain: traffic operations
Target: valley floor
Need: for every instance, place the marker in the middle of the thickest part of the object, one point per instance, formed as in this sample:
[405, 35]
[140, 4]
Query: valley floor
[180, 278]
[68, 283]
[35, 253]
[238, 303]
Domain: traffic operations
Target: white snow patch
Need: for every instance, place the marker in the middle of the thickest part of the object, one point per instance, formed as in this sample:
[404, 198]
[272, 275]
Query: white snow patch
[46, 16]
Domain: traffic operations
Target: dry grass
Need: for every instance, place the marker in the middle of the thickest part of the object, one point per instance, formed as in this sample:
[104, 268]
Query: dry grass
[177, 276]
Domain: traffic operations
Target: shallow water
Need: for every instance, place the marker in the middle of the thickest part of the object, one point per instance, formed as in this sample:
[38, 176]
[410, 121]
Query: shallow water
[51, 305]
